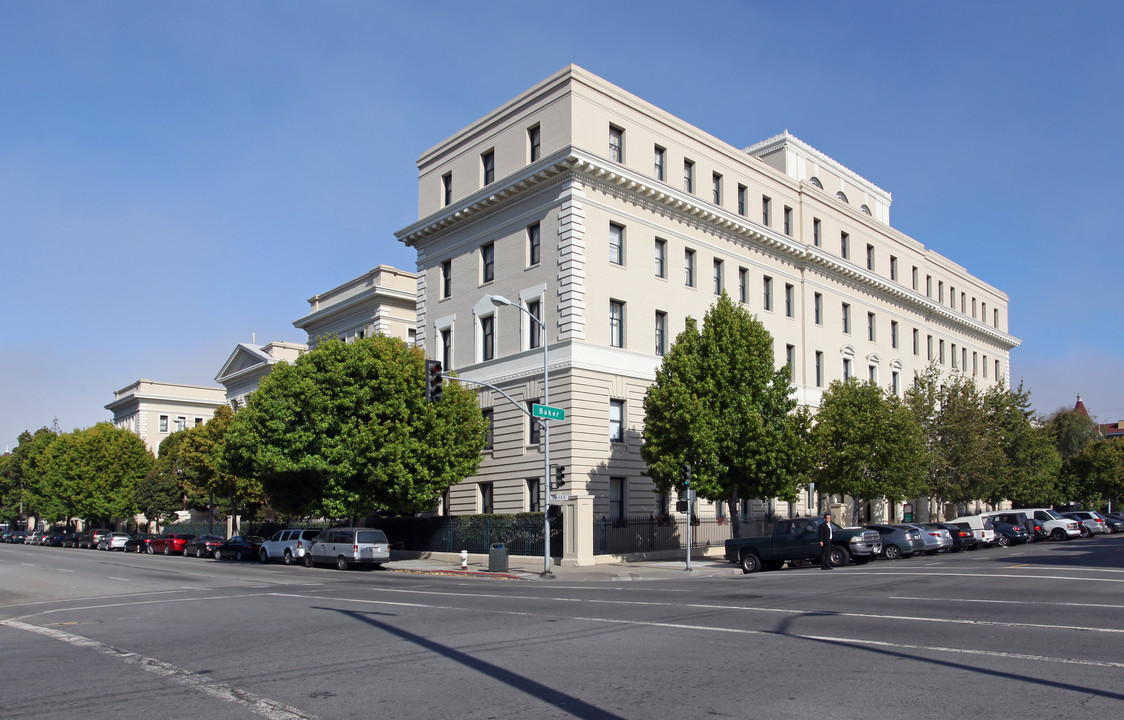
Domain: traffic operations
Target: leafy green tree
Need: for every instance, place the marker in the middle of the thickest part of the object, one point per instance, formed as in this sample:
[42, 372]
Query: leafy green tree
[1071, 430]
[201, 455]
[1031, 463]
[91, 473]
[1094, 475]
[346, 430]
[23, 474]
[720, 407]
[867, 444]
[165, 489]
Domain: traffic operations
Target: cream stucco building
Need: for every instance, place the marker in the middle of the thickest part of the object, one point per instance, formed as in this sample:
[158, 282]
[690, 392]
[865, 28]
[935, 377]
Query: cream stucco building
[382, 300]
[154, 410]
[614, 221]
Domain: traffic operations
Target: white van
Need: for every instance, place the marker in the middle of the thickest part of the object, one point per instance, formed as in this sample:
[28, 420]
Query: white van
[348, 547]
[981, 528]
[1056, 526]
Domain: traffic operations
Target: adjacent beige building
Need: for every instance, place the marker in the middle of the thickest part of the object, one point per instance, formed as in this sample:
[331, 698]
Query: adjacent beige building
[154, 410]
[382, 300]
[613, 221]
[244, 370]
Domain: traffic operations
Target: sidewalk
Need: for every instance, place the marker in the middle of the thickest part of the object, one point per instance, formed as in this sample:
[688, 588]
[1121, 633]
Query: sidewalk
[521, 567]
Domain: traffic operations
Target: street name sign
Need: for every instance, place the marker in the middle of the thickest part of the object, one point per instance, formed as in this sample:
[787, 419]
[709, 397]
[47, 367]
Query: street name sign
[547, 412]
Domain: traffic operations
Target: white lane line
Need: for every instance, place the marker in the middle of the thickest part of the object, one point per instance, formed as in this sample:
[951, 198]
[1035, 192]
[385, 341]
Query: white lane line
[1006, 602]
[265, 707]
[1011, 575]
[110, 577]
[736, 631]
[63, 570]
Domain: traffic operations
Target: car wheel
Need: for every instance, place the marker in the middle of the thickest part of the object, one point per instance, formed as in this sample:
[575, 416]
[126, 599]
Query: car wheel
[167, 549]
[342, 564]
[839, 555]
[1085, 531]
[199, 553]
[288, 559]
[238, 556]
[308, 560]
[185, 553]
[1057, 534]
[1003, 541]
[750, 562]
[263, 556]
[218, 555]
[892, 552]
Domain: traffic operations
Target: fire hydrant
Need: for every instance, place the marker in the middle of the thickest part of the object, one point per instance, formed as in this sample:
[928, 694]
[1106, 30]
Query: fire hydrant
[464, 559]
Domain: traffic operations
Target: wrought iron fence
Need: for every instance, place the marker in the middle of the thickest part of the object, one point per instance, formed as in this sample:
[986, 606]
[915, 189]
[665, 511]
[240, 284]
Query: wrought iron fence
[521, 534]
[649, 533]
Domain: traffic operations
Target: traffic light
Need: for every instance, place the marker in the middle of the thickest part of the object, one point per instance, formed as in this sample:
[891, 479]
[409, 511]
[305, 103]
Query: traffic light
[433, 380]
[559, 475]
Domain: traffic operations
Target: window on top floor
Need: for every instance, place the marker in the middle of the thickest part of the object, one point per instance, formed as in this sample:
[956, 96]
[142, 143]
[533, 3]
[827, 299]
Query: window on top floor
[488, 166]
[742, 191]
[816, 182]
[787, 220]
[816, 232]
[616, 144]
[841, 197]
[766, 210]
[688, 176]
[864, 209]
[534, 142]
[893, 268]
[716, 187]
[870, 258]
[447, 189]
[844, 245]
[660, 156]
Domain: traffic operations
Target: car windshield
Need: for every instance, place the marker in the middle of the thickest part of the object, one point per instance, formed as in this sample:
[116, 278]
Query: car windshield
[1051, 514]
[370, 536]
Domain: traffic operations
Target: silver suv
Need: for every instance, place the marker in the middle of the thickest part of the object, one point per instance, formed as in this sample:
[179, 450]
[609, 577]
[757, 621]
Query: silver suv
[350, 547]
[287, 546]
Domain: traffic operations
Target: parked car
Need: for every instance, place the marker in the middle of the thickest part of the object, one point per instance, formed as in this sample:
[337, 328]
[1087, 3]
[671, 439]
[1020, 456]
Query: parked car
[962, 536]
[18, 537]
[89, 539]
[287, 546]
[1059, 528]
[1114, 523]
[54, 538]
[71, 539]
[1007, 534]
[350, 547]
[898, 541]
[114, 541]
[202, 546]
[1091, 522]
[936, 539]
[1034, 528]
[169, 543]
[139, 543]
[981, 528]
[34, 538]
[240, 547]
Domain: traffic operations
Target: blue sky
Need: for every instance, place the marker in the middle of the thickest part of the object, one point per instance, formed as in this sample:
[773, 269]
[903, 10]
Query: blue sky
[178, 177]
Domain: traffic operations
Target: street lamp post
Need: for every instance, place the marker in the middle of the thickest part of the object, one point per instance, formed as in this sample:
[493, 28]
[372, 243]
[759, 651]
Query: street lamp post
[498, 300]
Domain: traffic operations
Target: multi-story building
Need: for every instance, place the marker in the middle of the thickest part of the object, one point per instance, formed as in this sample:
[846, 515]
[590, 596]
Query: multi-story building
[154, 410]
[613, 221]
[380, 301]
[248, 365]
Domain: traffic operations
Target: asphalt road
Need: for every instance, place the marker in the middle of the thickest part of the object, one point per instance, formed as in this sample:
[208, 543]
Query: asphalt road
[1030, 632]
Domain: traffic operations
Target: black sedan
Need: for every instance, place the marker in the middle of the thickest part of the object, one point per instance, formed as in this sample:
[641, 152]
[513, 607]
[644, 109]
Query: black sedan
[202, 546]
[240, 547]
[1007, 534]
[1114, 523]
[138, 543]
[962, 537]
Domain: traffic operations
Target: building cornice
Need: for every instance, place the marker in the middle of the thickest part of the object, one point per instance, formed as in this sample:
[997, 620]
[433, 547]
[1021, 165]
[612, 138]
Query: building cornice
[597, 171]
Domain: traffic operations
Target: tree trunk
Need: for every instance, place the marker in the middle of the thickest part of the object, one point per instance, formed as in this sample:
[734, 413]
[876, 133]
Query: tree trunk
[735, 518]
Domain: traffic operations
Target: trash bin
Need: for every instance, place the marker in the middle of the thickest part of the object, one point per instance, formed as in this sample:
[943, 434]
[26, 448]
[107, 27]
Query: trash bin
[497, 558]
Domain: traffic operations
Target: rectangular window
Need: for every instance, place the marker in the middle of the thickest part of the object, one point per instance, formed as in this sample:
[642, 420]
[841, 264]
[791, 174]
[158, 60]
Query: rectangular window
[534, 427]
[817, 304]
[616, 244]
[533, 142]
[846, 318]
[660, 156]
[616, 420]
[487, 338]
[616, 144]
[534, 503]
[742, 190]
[929, 286]
[870, 258]
[447, 189]
[743, 285]
[893, 268]
[616, 323]
[916, 342]
[661, 258]
[844, 245]
[716, 186]
[940, 291]
[952, 298]
[995, 321]
[534, 330]
[717, 276]
[661, 332]
[447, 349]
[940, 347]
[688, 176]
[787, 220]
[767, 292]
[914, 278]
[973, 305]
[983, 312]
[847, 369]
[996, 369]
[953, 356]
[689, 267]
[896, 383]
[534, 245]
[488, 164]
[163, 423]
[816, 232]
[790, 360]
[618, 494]
[819, 369]
[870, 325]
[489, 437]
[766, 206]
[447, 278]
[894, 334]
[487, 263]
[929, 348]
[789, 300]
[984, 366]
[872, 373]
[487, 506]
[964, 359]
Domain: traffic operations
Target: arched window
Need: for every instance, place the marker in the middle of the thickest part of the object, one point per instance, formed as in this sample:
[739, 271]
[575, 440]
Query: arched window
[840, 196]
[816, 182]
[865, 209]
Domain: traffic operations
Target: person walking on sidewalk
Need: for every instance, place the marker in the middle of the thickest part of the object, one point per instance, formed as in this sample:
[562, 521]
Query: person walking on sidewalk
[825, 542]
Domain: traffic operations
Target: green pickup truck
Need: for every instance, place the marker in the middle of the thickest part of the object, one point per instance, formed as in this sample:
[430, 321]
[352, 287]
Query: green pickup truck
[796, 540]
